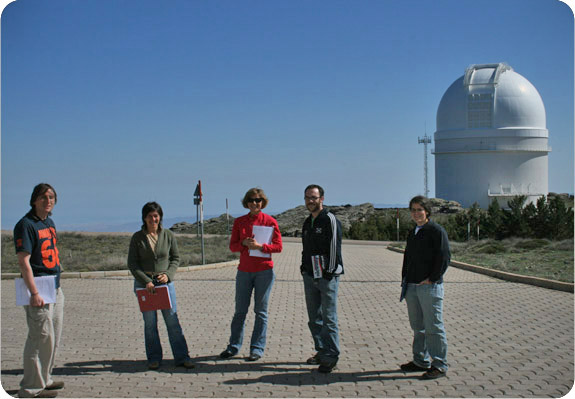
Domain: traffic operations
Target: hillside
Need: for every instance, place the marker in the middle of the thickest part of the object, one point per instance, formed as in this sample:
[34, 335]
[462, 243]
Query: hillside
[290, 221]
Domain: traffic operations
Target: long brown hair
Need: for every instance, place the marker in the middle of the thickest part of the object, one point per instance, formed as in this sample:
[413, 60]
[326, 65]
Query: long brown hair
[39, 190]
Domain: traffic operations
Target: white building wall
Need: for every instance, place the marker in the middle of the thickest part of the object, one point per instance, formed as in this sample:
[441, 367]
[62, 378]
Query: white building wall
[481, 176]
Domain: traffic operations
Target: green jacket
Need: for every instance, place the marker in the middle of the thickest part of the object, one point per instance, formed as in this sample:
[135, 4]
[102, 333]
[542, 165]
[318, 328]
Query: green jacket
[142, 259]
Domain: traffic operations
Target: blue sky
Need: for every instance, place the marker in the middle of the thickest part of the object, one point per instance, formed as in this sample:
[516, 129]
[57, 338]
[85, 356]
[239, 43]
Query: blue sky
[119, 102]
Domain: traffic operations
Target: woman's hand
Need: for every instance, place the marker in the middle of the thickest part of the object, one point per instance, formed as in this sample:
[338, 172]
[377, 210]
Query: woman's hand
[150, 287]
[251, 243]
[425, 282]
[162, 278]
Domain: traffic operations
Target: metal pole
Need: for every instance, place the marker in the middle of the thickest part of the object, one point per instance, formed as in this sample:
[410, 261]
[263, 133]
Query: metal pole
[478, 229]
[397, 223]
[425, 140]
[227, 219]
[198, 220]
[202, 229]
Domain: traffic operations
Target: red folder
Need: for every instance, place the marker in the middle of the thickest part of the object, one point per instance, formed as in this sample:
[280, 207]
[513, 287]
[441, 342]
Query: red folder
[159, 300]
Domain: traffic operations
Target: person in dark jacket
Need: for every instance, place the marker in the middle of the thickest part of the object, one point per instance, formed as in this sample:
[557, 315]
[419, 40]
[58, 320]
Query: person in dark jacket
[321, 267]
[425, 261]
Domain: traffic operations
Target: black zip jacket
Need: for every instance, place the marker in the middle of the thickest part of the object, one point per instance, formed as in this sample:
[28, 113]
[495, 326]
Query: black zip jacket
[322, 238]
[427, 254]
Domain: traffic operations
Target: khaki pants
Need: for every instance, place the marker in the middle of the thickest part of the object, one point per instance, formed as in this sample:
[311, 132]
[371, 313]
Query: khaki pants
[44, 331]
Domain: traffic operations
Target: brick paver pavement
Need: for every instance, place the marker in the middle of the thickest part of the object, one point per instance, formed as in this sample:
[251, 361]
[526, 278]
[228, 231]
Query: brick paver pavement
[505, 339]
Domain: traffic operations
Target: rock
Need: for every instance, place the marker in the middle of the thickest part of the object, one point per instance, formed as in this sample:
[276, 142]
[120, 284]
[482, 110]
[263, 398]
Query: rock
[290, 221]
[567, 198]
[439, 205]
[211, 226]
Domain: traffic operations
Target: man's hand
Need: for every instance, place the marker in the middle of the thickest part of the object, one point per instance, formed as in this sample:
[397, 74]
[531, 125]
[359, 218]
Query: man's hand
[24, 263]
[36, 300]
[327, 276]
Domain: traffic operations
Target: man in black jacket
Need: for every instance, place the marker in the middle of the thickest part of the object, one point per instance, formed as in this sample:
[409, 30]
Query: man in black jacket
[320, 267]
[425, 260]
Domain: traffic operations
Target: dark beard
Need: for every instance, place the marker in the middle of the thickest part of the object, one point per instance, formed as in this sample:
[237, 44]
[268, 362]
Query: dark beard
[314, 209]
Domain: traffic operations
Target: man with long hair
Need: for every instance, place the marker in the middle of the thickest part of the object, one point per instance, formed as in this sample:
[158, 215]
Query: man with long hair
[35, 241]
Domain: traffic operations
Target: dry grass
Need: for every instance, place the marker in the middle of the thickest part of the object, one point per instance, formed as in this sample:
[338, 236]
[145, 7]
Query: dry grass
[529, 257]
[80, 252]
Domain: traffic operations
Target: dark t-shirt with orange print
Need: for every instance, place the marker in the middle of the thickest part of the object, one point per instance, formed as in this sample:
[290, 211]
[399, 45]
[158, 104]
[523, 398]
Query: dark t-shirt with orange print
[38, 238]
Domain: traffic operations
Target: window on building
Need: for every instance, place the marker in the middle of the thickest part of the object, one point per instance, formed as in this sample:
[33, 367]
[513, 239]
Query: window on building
[479, 110]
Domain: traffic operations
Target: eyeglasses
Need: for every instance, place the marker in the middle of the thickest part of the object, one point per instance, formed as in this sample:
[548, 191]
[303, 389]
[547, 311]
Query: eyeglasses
[313, 199]
[256, 200]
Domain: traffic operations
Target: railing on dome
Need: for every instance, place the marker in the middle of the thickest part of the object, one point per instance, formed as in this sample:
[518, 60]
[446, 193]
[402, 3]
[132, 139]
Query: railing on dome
[480, 97]
[499, 69]
[509, 190]
[495, 148]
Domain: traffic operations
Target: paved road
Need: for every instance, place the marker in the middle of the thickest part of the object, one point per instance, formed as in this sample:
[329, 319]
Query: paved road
[505, 339]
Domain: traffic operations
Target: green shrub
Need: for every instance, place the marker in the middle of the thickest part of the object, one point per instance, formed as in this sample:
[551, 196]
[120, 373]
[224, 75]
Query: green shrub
[532, 244]
[564, 245]
[490, 247]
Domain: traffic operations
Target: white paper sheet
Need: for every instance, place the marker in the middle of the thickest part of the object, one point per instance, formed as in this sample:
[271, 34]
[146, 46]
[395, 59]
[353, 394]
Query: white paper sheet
[46, 286]
[263, 235]
[318, 265]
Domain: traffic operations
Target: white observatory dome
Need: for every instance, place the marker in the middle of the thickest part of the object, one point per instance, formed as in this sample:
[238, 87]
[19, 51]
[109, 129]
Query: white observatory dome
[516, 103]
[491, 139]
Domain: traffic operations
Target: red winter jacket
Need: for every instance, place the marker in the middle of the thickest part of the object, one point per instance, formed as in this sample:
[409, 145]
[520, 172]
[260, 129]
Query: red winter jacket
[243, 229]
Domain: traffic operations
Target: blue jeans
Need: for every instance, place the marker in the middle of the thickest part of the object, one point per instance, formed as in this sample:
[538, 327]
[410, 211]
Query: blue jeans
[321, 301]
[425, 310]
[246, 282]
[175, 334]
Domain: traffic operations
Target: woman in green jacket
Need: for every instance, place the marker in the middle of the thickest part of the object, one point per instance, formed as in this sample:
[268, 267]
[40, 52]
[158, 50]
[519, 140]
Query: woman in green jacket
[153, 260]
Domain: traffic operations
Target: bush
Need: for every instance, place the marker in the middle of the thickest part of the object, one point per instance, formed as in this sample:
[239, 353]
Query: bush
[565, 245]
[490, 247]
[551, 219]
[532, 243]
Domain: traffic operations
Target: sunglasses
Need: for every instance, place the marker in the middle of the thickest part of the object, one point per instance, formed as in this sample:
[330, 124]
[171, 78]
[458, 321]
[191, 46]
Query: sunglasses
[256, 200]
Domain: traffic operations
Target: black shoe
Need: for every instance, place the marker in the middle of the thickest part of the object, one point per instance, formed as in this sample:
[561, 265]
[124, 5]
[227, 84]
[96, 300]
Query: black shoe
[186, 364]
[153, 365]
[433, 373]
[226, 354]
[327, 367]
[313, 360]
[411, 367]
[253, 357]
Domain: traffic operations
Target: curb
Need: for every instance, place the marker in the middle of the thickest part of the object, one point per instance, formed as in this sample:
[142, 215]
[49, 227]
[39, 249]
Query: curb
[116, 273]
[515, 278]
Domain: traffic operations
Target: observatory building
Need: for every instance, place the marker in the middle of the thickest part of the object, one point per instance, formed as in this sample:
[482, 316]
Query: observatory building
[491, 138]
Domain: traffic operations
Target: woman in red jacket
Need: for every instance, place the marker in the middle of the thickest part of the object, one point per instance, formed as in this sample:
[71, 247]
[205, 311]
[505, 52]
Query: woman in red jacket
[255, 236]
